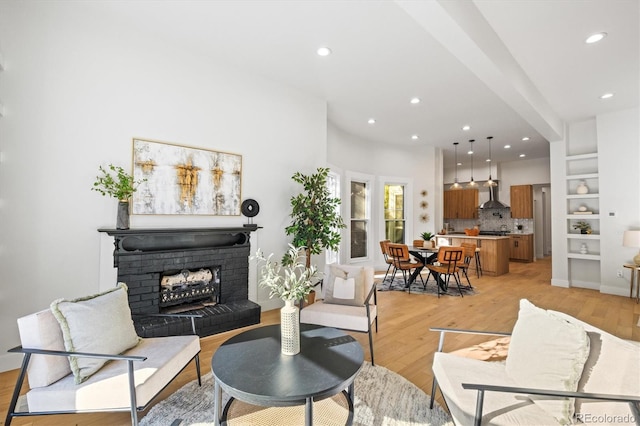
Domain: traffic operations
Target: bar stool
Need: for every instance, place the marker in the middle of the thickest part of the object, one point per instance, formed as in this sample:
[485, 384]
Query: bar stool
[478, 264]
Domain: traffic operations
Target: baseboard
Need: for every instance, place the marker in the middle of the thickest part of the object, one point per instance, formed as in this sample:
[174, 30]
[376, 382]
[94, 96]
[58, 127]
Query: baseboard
[586, 284]
[616, 290]
[559, 283]
[10, 362]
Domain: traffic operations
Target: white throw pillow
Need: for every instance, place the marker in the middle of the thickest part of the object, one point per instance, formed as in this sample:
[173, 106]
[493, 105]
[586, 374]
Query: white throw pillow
[613, 367]
[98, 324]
[42, 331]
[547, 352]
[344, 286]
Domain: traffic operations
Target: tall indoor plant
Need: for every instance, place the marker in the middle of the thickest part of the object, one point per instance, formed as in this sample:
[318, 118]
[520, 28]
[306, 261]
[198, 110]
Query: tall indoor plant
[120, 185]
[316, 222]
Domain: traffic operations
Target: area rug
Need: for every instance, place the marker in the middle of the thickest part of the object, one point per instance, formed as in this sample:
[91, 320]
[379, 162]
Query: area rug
[382, 397]
[416, 287]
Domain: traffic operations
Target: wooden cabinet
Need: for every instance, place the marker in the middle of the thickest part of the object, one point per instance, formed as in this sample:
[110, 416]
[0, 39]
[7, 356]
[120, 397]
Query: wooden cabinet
[461, 204]
[522, 202]
[494, 253]
[521, 247]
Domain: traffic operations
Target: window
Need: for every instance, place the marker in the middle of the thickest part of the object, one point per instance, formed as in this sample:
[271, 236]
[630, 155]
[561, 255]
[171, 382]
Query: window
[394, 216]
[359, 218]
[333, 184]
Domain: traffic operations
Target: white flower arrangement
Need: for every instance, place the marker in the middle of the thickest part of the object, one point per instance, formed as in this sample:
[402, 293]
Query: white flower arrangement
[288, 280]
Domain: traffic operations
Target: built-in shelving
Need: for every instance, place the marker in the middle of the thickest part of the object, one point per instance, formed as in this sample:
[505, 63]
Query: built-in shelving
[582, 168]
[583, 256]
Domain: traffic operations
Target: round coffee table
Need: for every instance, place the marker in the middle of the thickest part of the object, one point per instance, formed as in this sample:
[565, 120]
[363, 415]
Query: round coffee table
[251, 368]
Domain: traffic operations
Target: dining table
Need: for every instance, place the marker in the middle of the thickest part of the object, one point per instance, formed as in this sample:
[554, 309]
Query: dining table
[427, 255]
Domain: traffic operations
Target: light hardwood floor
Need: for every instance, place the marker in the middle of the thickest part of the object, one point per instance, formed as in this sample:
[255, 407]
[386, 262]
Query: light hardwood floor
[404, 343]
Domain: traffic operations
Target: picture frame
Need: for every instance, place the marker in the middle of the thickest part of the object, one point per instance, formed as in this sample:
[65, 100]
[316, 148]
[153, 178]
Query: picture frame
[183, 180]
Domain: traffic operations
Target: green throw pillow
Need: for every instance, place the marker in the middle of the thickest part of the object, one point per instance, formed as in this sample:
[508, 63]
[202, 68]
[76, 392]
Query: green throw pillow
[97, 324]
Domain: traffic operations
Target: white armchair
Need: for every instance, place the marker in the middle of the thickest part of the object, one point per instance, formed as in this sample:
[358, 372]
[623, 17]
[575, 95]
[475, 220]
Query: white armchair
[347, 300]
[84, 356]
[559, 370]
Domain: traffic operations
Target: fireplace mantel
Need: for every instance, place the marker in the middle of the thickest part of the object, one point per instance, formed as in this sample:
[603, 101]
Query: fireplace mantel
[134, 241]
[143, 256]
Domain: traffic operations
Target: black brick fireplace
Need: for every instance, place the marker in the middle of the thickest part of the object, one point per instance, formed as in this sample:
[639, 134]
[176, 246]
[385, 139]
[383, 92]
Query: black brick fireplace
[144, 256]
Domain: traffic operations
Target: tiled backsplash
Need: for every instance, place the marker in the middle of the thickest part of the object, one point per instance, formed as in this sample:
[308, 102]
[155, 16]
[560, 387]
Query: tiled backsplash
[493, 220]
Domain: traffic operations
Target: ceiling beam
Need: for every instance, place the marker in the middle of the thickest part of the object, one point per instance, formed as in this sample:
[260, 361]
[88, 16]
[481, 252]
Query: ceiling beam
[462, 29]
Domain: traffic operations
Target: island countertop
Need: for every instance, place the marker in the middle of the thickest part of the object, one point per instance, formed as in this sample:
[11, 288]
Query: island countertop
[478, 237]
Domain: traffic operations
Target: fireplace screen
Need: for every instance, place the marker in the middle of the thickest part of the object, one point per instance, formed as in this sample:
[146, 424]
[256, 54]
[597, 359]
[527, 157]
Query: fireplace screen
[188, 286]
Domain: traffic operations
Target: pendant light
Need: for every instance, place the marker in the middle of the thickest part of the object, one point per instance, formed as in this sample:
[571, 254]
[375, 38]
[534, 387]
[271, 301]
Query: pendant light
[456, 185]
[490, 182]
[472, 183]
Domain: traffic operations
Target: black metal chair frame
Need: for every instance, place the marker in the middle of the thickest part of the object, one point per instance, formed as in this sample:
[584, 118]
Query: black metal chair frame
[130, 359]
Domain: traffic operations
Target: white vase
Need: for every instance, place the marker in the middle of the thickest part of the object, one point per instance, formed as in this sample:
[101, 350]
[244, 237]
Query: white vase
[289, 328]
[584, 249]
[582, 188]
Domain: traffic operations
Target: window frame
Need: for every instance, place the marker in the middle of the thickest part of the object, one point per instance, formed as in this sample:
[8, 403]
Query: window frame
[369, 182]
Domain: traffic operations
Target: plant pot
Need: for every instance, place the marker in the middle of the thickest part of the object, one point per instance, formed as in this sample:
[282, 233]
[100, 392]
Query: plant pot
[584, 231]
[289, 329]
[122, 220]
[311, 297]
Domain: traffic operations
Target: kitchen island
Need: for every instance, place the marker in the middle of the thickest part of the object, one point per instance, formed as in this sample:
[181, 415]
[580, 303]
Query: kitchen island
[494, 251]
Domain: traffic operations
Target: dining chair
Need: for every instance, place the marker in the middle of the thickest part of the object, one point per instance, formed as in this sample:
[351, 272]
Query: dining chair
[449, 259]
[387, 258]
[401, 258]
[468, 254]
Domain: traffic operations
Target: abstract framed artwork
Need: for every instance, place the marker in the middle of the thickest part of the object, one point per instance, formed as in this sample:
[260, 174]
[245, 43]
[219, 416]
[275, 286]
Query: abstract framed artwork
[180, 180]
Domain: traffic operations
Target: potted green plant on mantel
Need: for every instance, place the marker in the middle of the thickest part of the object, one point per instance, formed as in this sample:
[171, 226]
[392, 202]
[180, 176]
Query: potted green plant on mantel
[316, 222]
[291, 281]
[583, 226]
[120, 186]
[428, 239]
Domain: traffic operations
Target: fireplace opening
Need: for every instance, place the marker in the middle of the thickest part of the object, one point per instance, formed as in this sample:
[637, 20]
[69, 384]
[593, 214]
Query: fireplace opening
[188, 289]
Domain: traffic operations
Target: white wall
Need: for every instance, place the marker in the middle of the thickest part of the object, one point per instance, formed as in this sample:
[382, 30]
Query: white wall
[420, 166]
[619, 155]
[76, 90]
[615, 138]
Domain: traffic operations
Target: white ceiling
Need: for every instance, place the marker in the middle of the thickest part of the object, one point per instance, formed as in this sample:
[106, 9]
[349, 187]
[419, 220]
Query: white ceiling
[508, 68]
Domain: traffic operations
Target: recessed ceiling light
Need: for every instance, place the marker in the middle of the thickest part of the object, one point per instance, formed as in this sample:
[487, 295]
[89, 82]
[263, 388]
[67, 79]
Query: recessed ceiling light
[488, 160]
[606, 96]
[469, 152]
[594, 38]
[523, 155]
[466, 127]
[415, 100]
[507, 146]
[526, 138]
[323, 51]
[459, 163]
[415, 137]
[371, 121]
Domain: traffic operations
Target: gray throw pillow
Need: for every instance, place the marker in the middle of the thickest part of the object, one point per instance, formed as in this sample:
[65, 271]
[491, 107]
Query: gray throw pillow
[97, 324]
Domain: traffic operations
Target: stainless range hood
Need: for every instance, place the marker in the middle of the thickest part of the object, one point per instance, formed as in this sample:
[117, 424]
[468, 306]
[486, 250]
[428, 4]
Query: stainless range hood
[493, 202]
